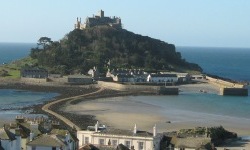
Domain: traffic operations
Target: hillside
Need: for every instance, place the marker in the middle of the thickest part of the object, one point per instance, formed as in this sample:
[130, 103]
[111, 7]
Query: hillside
[104, 47]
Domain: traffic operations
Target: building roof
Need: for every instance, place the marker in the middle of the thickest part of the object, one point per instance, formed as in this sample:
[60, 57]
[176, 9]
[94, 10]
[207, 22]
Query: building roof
[5, 134]
[27, 128]
[63, 133]
[89, 147]
[51, 140]
[125, 133]
[163, 75]
[122, 147]
[34, 70]
[125, 76]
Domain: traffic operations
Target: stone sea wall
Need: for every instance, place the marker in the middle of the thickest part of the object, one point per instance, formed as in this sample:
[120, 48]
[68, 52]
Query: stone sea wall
[139, 88]
[222, 83]
[34, 80]
[229, 88]
[123, 87]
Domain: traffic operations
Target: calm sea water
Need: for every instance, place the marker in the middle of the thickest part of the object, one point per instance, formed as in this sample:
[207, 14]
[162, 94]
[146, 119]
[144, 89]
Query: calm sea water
[18, 98]
[231, 63]
[13, 51]
[226, 62]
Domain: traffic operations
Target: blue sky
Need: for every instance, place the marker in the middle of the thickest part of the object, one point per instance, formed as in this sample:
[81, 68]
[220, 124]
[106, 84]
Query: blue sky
[213, 23]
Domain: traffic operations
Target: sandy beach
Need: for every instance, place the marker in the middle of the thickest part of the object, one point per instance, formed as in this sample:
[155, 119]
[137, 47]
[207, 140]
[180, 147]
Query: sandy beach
[123, 113]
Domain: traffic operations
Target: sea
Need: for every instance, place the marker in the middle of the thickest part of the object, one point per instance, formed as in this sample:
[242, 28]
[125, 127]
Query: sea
[232, 63]
[12, 100]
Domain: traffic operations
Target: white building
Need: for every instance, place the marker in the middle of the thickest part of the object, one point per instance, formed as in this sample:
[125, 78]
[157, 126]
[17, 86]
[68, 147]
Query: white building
[162, 78]
[110, 138]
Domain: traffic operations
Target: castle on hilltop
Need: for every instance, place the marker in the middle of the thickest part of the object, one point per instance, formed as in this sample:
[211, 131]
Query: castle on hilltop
[98, 20]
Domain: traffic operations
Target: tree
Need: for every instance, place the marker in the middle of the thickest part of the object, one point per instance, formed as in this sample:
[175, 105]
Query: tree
[44, 42]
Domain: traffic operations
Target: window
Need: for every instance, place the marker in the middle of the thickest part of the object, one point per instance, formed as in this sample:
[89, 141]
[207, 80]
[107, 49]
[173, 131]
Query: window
[114, 142]
[53, 148]
[33, 148]
[86, 140]
[101, 141]
[127, 144]
[140, 145]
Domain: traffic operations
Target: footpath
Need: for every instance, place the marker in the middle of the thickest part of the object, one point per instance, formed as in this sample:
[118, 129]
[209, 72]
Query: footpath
[47, 109]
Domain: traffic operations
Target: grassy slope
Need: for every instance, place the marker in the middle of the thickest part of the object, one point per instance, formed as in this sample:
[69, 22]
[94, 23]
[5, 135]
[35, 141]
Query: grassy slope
[13, 68]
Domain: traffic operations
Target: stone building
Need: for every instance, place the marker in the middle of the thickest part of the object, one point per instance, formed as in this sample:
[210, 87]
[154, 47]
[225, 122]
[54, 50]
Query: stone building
[34, 73]
[98, 20]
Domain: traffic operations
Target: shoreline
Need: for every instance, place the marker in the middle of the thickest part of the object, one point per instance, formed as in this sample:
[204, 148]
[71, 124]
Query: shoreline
[84, 120]
[113, 112]
[64, 92]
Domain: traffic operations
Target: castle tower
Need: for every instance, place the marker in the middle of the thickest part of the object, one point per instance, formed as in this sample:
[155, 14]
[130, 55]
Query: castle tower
[101, 13]
[78, 23]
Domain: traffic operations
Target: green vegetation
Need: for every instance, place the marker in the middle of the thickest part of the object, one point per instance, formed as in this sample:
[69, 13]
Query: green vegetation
[12, 70]
[104, 46]
[217, 134]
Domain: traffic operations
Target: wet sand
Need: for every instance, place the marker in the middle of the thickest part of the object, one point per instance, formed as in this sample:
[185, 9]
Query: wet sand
[124, 113]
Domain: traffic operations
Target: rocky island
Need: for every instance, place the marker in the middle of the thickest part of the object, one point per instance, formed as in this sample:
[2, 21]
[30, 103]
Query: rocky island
[100, 59]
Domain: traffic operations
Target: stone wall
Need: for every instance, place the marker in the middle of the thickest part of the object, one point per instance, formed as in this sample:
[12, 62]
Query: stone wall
[222, 83]
[234, 91]
[139, 88]
[59, 80]
[122, 87]
[229, 88]
[34, 80]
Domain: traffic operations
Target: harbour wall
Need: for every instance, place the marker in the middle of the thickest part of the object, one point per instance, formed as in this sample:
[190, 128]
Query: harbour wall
[34, 80]
[234, 91]
[139, 88]
[229, 88]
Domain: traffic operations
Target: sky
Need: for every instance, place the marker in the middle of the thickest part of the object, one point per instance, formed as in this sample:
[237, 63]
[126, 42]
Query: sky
[205, 23]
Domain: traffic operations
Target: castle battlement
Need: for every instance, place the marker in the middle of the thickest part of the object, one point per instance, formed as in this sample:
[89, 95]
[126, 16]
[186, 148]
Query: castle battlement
[98, 20]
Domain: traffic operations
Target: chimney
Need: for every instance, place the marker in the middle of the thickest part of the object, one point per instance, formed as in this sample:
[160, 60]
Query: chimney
[154, 131]
[96, 126]
[31, 135]
[34, 125]
[67, 138]
[18, 131]
[135, 129]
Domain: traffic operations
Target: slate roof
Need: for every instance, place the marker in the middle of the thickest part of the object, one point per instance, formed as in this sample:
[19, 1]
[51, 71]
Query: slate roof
[51, 140]
[26, 128]
[125, 76]
[125, 133]
[89, 147]
[121, 147]
[63, 133]
[6, 135]
[163, 75]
